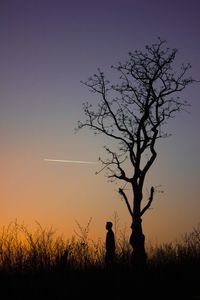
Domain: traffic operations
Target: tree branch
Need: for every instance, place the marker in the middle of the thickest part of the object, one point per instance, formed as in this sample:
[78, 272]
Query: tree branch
[149, 202]
[121, 192]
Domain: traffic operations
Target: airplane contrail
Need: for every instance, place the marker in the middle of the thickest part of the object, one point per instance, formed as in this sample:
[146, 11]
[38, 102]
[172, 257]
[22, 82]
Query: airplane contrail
[71, 161]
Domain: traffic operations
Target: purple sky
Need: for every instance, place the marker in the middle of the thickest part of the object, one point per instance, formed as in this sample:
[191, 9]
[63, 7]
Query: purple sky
[47, 48]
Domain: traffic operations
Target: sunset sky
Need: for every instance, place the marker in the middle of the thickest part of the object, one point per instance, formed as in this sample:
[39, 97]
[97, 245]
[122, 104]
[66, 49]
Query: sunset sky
[47, 48]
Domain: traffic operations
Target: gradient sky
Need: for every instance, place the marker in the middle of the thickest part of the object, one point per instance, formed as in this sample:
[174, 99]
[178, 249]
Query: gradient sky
[47, 48]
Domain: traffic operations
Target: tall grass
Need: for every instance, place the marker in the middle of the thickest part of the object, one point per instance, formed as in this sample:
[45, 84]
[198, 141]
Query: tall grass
[186, 250]
[42, 265]
[25, 251]
[42, 250]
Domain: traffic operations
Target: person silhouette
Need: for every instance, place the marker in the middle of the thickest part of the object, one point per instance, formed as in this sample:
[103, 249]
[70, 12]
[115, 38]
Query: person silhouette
[110, 244]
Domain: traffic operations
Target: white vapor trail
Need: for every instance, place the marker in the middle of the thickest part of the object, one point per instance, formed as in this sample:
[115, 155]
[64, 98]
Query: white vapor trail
[70, 161]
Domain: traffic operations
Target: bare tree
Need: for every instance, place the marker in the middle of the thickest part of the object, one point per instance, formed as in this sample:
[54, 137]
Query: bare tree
[133, 114]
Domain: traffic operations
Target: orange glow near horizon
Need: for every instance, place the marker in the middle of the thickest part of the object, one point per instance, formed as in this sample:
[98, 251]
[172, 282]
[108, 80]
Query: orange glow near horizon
[59, 195]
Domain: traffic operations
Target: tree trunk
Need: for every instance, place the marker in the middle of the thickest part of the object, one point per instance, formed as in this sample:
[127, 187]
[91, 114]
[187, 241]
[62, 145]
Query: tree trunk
[137, 241]
[137, 238]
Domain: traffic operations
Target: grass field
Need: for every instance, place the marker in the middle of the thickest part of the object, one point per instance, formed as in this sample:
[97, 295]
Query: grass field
[41, 265]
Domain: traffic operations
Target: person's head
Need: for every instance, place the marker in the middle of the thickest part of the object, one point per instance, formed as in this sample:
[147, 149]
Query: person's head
[109, 225]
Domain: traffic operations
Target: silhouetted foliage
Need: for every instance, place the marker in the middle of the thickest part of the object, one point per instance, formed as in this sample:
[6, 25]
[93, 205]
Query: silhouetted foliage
[40, 265]
[132, 114]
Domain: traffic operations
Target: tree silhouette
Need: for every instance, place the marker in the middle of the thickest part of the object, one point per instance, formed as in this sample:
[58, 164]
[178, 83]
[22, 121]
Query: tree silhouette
[133, 114]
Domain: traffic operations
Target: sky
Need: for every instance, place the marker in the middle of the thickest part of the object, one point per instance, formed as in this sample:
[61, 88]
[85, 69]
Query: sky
[47, 48]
